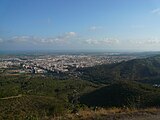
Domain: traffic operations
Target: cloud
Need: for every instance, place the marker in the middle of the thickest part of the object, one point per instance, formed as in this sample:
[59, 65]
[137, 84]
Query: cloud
[156, 11]
[95, 28]
[105, 41]
[64, 38]
[71, 34]
[19, 39]
[68, 39]
[153, 41]
[67, 36]
[146, 42]
[111, 41]
[91, 41]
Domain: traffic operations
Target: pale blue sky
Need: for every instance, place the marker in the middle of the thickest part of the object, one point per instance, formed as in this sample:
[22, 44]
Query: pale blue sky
[80, 25]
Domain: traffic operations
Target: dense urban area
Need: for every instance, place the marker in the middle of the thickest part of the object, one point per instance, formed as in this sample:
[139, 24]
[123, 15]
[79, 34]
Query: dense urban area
[58, 63]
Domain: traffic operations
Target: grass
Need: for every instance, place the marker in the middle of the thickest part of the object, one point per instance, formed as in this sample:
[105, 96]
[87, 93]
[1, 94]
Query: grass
[111, 113]
[30, 107]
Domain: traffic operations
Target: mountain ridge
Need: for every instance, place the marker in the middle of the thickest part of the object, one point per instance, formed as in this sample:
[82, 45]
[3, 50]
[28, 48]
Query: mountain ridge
[133, 70]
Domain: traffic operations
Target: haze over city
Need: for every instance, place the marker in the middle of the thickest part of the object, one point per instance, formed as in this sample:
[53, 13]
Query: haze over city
[109, 25]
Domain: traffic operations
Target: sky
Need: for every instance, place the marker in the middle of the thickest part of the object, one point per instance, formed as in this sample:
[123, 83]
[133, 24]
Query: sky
[108, 25]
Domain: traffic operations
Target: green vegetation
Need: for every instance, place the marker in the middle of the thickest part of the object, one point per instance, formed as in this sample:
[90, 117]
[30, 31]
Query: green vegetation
[142, 70]
[30, 107]
[41, 85]
[32, 97]
[123, 94]
[36, 97]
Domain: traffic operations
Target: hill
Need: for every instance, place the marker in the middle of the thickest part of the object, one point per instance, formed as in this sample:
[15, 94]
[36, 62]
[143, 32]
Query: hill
[123, 93]
[30, 107]
[38, 97]
[144, 70]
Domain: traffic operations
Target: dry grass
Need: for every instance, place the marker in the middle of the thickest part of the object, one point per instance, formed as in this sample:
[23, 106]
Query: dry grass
[101, 113]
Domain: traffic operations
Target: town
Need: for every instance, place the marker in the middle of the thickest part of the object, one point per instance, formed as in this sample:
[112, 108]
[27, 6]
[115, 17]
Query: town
[57, 63]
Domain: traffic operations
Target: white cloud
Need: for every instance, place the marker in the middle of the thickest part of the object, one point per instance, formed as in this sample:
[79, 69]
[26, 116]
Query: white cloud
[67, 39]
[105, 41]
[146, 42]
[92, 41]
[20, 38]
[156, 11]
[71, 34]
[111, 41]
[64, 38]
[67, 36]
[153, 41]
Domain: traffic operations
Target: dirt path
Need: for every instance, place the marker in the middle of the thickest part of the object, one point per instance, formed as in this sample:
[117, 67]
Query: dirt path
[11, 97]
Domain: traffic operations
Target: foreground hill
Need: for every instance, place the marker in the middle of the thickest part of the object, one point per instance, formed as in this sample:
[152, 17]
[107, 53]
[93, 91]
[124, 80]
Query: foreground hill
[30, 107]
[120, 94]
[38, 97]
[146, 69]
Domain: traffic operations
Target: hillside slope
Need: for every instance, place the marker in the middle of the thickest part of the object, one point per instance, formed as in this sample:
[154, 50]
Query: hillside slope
[137, 69]
[120, 94]
[38, 97]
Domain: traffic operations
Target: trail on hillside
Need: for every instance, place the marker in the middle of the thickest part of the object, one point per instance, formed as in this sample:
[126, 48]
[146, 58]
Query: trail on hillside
[11, 97]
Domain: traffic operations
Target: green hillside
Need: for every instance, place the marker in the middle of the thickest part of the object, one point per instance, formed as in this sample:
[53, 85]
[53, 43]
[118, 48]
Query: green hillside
[30, 107]
[138, 69]
[39, 97]
[120, 94]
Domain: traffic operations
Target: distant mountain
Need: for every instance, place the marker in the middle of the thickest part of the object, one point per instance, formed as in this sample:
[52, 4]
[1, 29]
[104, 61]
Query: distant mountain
[145, 69]
[120, 94]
